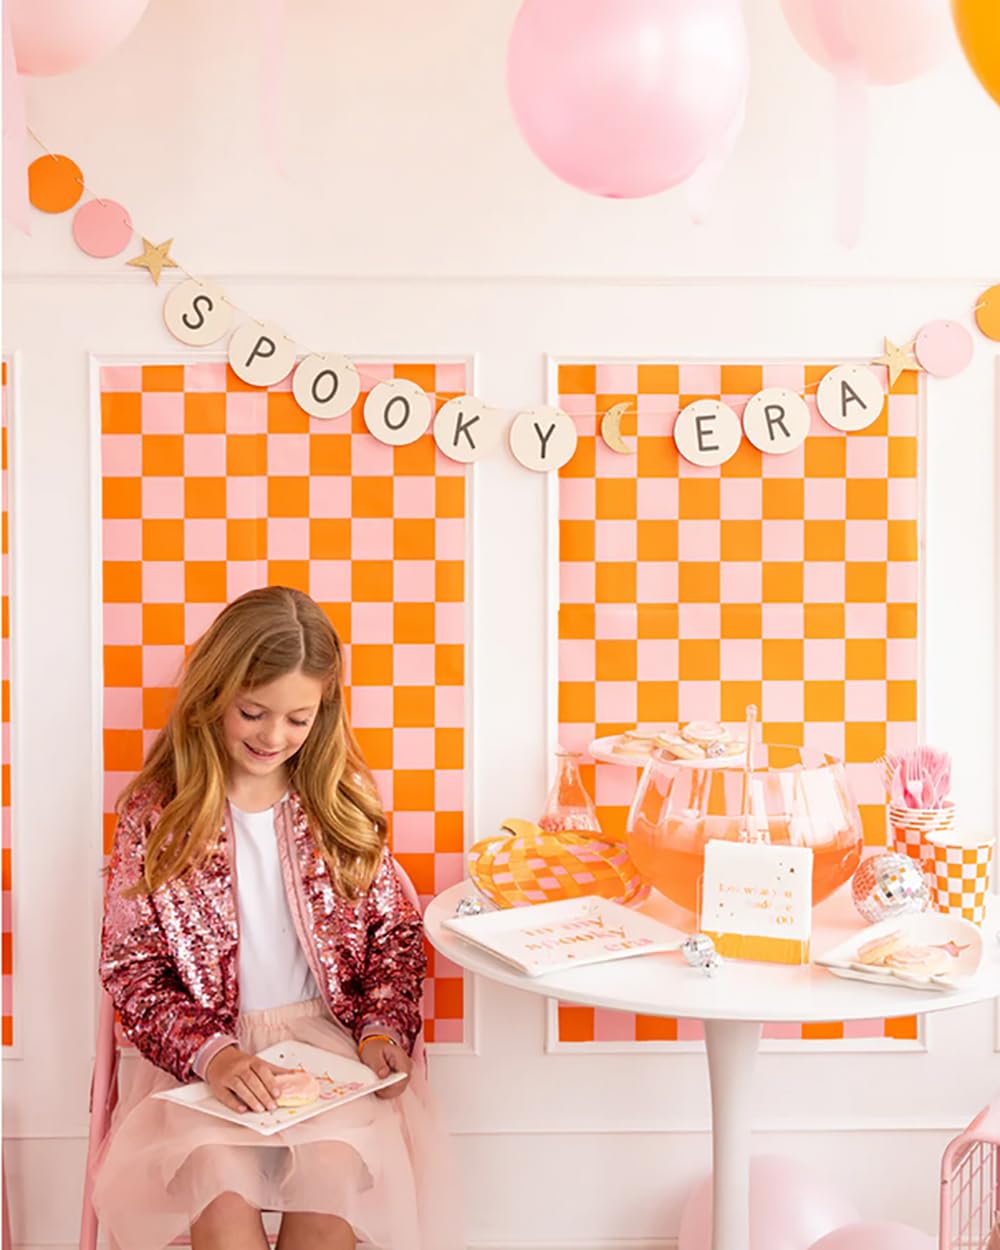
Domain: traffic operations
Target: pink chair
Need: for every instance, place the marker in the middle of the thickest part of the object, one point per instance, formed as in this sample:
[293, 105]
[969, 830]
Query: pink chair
[970, 1185]
[8, 1241]
[104, 1097]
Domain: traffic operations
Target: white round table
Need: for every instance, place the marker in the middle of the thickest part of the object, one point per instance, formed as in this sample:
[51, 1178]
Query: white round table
[732, 1006]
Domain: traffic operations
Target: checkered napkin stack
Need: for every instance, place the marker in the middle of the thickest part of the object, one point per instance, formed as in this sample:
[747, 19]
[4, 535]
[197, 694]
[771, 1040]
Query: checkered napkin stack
[523, 864]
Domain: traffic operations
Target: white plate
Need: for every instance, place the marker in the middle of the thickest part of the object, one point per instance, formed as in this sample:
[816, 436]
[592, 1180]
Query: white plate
[602, 750]
[342, 1080]
[929, 928]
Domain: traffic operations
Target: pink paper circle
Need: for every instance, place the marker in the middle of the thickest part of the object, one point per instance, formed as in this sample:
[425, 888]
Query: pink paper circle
[102, 228]
[943, 348]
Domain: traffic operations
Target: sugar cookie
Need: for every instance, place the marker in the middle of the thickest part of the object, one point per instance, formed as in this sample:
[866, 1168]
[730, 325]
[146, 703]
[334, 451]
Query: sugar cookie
[296, 1089]
[877, 950]
[704, 731]
[679, 748]
[919, 961]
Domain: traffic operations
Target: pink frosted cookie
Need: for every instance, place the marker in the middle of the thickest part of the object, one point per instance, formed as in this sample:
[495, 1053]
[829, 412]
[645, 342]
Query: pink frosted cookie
[296, 1089]
[878, 950]
[918, 961]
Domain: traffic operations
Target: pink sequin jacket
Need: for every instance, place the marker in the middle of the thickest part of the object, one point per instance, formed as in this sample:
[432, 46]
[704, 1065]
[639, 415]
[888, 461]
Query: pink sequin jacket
[170, 960]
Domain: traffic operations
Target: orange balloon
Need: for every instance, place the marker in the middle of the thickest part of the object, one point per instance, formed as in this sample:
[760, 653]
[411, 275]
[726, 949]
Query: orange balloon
[55, 183]
[988, 313]
[978, 26]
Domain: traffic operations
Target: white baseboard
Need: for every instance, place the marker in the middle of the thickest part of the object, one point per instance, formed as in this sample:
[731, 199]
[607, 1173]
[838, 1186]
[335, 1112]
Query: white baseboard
[479, 1245]
[630, 1243]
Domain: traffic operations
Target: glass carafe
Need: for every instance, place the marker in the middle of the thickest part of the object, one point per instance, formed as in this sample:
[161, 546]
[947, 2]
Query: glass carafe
[791, 796]
[569, 808]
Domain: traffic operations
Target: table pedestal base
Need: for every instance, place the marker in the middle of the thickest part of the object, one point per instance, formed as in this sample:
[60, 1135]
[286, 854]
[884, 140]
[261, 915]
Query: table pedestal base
[732, 1048]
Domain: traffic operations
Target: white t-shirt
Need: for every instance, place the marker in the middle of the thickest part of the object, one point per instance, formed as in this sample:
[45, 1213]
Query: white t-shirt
[273, 970]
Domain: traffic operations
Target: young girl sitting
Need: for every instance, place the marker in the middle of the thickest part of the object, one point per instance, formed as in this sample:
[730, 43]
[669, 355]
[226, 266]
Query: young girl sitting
[252, 900]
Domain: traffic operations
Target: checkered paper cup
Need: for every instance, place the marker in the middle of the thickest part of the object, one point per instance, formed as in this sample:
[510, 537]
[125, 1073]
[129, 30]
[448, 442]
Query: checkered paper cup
[913, 828]
[962, 874]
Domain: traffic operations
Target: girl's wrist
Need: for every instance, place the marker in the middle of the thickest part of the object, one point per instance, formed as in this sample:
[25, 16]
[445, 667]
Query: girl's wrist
[384, 1029]
[375, 1037]
[214, 1046]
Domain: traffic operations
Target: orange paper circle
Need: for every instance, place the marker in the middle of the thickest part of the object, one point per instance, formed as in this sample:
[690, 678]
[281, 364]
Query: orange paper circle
[988, 313]
[978, 26]
[55, 183]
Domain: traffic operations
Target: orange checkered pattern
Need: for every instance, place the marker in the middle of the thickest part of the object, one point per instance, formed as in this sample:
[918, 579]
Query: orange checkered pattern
[8, 936]
[211, 488]
[786, 581]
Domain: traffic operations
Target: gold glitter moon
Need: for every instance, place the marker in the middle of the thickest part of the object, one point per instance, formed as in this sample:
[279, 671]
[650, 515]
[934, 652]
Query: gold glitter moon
[611, 429]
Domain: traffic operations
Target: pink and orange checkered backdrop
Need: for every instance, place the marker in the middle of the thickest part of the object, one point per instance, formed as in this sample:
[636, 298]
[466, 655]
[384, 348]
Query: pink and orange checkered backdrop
[212, 487]
[786, 581]
[8, 936]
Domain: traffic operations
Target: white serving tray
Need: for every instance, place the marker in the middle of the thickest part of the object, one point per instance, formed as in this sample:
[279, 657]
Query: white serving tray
[341, 1080]
[602, 749]
[929, 928]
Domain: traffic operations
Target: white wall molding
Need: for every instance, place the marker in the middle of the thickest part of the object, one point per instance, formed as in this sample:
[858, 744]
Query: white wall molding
[472, 1245]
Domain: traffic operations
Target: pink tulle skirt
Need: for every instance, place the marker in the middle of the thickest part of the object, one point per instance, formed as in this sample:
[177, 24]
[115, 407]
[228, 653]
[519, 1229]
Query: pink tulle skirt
[381, 1164]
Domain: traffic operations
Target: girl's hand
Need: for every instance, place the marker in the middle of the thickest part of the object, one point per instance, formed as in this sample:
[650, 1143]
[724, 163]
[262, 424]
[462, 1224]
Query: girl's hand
[243, 1082]
[383, 1058]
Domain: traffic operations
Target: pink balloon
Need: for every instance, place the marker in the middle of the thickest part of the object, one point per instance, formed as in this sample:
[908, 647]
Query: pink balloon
[789, 1208]
[884, 41]
[875, 1237]
[626, 97]
[56, 36]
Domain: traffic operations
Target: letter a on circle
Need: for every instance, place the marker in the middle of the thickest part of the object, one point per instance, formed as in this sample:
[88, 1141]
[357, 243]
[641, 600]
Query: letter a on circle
[850, 398]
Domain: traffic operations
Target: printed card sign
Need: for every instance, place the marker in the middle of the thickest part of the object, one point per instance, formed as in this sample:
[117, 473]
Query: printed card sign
[756, 900]
[567, 933]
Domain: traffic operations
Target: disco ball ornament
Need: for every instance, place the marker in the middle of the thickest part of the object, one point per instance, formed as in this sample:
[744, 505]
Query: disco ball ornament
[469, 907]
[697, 948]
[712, 964]
[699, 952]
[889, 885]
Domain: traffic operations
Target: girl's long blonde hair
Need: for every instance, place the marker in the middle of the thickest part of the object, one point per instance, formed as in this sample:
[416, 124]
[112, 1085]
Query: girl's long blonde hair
[258, 638]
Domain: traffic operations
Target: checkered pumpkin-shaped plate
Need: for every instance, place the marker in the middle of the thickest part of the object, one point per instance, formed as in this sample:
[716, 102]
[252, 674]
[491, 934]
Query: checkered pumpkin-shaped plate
[540, 868]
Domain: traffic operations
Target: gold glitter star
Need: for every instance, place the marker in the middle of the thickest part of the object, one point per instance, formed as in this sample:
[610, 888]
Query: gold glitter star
[897, 359]
[154, 258]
